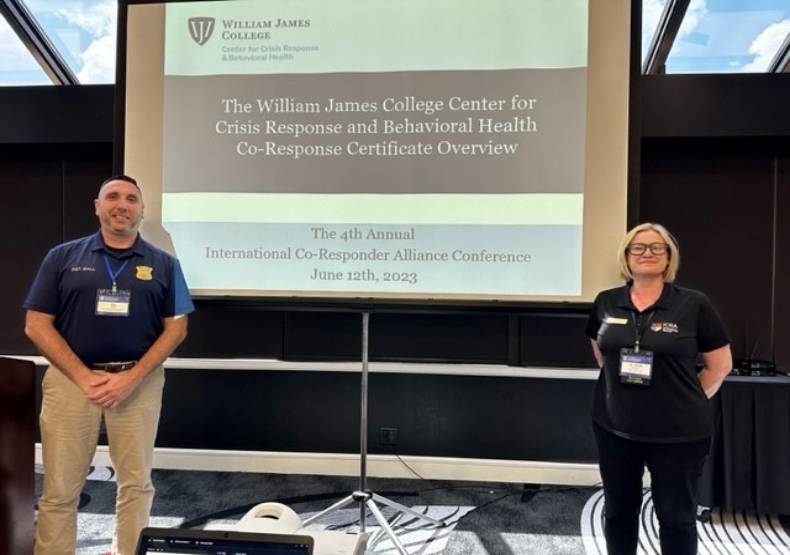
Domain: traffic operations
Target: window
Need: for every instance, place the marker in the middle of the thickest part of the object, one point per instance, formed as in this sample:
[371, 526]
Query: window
[721, 36]
[81, 32]
[17, 65]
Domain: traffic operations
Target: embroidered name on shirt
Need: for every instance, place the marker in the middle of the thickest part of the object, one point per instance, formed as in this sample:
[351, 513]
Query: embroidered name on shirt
[666, 327]
[82, 269]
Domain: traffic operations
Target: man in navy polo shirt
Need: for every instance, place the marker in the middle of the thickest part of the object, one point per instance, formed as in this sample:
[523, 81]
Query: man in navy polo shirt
[106, 310]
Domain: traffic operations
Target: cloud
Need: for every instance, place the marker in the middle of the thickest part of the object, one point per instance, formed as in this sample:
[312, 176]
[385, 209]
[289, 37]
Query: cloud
[98, 21]
[94, 18]
[98, 61]
[694, 13]
[765, 46]
[13, 54]
[17, 65]
[651, 14]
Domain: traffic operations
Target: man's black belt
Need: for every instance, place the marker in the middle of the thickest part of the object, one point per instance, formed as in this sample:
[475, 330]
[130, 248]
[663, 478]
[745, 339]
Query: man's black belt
[113, 367]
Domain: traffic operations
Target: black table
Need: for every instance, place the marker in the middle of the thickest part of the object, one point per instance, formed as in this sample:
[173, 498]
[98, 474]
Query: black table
[749, 465]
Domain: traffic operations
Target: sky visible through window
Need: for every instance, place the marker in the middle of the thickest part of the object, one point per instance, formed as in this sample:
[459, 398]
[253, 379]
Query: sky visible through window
[83, 31]
[722, 36]
[17, 65]
[717, 36]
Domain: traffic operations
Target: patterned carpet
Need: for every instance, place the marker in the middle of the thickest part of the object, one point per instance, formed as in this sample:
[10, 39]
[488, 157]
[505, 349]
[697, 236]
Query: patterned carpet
[482, 518]
[718, 531]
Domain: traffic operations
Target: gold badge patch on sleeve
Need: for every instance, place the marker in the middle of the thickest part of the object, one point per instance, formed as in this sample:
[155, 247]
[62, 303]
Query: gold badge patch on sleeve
[145, 272]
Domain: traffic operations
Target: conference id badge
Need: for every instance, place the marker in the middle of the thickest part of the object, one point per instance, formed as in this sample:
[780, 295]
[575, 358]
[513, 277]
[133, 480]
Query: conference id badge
[636, 367]
[113, 303]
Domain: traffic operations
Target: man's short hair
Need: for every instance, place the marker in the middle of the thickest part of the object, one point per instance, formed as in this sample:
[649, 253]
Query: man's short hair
[120, 177]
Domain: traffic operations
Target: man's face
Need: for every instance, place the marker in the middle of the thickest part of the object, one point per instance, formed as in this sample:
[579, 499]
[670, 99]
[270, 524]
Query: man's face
[119, 208]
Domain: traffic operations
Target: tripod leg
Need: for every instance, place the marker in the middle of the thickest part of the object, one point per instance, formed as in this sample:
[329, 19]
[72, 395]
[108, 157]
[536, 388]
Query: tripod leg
[376, 538]
[381, 532]
[407, 510]
[385, 525]
[339, 505]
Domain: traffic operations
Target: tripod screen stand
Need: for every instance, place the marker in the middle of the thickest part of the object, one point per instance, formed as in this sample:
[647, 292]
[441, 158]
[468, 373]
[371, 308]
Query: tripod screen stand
[367, 499]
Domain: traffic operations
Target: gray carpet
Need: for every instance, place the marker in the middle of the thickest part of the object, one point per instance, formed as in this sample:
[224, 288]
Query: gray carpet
[485, 518]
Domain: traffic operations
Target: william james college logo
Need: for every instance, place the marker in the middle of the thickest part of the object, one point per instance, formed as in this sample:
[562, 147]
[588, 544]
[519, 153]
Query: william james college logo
[200, 29]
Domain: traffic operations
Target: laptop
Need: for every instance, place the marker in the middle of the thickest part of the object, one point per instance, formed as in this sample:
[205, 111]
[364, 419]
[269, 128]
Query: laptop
[176, 541]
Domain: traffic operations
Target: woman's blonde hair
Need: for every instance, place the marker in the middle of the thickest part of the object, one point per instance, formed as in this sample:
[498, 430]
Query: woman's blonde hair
[673, 254]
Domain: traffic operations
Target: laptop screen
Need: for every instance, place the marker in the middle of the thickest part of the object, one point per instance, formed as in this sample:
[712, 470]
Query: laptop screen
[174, 541]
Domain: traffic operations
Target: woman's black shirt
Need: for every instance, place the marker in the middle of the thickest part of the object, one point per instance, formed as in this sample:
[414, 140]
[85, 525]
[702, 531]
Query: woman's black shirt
[673, 408]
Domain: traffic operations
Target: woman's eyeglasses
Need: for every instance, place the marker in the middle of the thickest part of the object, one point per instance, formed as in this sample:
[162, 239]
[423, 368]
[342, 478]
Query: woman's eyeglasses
[638, 249]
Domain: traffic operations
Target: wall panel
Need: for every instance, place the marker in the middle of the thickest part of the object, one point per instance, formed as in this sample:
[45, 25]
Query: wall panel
[451, 416]
[716, 197]
[460, 337]
[32, 223]
[233, 329]
[782, 308]
[82, 175]
[550, 339]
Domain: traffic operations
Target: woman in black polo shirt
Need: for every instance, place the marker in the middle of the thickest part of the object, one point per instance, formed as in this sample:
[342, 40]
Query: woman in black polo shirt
[651, 405]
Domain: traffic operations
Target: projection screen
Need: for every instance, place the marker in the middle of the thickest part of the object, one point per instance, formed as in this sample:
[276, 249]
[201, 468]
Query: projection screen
[415, 149]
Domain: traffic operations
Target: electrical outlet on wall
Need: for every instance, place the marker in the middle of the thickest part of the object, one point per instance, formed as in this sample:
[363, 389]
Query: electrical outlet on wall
[388, 437]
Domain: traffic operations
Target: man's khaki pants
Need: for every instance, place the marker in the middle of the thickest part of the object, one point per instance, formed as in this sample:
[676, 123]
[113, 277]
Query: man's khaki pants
[69, 433]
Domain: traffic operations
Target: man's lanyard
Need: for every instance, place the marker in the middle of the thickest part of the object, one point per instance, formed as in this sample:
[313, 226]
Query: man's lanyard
[639, 329]
[114, 275]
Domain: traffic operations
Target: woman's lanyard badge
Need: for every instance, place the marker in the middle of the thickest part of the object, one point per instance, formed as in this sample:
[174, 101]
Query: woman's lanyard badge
[113, 302]
[636, 365]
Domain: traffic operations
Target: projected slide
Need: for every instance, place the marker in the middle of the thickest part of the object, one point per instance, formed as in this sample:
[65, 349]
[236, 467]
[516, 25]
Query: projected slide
[408, 147]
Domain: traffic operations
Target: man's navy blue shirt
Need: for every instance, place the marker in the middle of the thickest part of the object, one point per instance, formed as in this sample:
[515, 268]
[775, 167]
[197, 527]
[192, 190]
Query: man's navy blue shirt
[72, 273]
